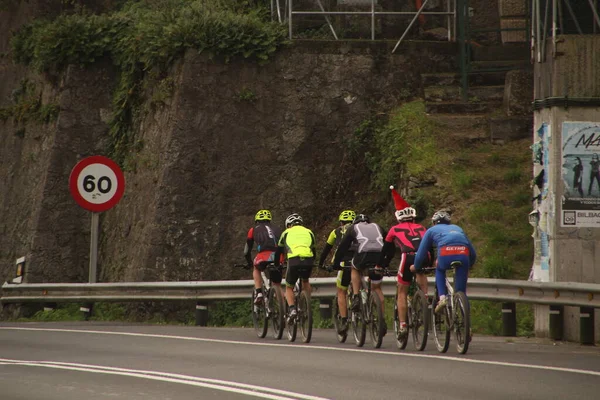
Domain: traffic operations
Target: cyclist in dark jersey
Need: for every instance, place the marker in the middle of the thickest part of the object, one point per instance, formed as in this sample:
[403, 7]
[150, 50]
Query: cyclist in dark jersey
[368, 238]
[343, 277]
[266, 237]
[452, 245]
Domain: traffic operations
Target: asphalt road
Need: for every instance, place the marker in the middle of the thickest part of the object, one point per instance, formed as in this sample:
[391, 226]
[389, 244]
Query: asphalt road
[90, 361]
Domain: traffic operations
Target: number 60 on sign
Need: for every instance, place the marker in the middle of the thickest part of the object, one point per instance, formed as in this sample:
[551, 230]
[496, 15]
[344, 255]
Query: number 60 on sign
[97, 183]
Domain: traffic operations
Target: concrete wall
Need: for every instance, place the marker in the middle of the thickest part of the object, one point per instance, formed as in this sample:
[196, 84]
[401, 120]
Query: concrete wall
[574, 252]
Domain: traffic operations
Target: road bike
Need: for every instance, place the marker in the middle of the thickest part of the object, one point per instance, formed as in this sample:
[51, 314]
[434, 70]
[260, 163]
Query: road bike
[455, 317]
[370, 312]
[272, 309]
[417, 318]
[303, 318]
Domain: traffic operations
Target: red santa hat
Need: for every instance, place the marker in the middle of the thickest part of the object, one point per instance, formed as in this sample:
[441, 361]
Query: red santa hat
[399, 202]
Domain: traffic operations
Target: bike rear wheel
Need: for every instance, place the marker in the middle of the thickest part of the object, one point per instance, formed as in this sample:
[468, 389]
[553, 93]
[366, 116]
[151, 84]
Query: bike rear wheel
[259, 318]
[359, 327]
[341, 337]
[419, 320]
[377, 321]
[462, 321]
[401, 341]
[305, 319]
[277, 312]
[441, 331]
[291, 328]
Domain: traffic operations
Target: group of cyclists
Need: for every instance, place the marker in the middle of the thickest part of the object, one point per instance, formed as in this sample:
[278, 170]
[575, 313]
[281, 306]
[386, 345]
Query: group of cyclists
[360, 246]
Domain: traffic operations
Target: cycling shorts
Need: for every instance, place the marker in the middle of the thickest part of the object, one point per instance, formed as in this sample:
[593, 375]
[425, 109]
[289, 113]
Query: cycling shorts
[262, 259]
[298, 267]
[344, 277]
[366, 260]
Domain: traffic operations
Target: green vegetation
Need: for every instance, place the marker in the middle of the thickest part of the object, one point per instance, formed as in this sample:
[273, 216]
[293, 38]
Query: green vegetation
[27, 106]
[143, 38]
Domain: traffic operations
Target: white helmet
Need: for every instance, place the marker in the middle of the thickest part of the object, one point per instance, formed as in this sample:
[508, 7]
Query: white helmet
[406, 214]
[440, 217]
[293, 219]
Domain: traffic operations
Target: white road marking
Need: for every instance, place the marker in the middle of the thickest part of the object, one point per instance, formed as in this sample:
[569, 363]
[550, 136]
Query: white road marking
[367, 351]
[228, 386]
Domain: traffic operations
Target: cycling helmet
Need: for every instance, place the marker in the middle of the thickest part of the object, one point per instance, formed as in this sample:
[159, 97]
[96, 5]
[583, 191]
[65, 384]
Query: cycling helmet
[293, 219]
[406, 214]
[263, 215]
[360, 218]
[347, 216]
[440, 217]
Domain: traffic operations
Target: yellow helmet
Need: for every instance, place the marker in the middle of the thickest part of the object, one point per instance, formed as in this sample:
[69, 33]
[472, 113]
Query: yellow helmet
[263, 215]
[347, 216]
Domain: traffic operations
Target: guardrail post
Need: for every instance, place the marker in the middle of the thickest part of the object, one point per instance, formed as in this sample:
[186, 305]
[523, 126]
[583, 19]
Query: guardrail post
[586, 325]
[556, 322]
[325, 309]
[509, 319]
[87, 310]
[201, 314]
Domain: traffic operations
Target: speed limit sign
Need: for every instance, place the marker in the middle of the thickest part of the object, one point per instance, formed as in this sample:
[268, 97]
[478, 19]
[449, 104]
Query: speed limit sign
[97, 183]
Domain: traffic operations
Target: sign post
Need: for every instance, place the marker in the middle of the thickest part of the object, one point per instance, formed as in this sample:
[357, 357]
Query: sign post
[97, 184]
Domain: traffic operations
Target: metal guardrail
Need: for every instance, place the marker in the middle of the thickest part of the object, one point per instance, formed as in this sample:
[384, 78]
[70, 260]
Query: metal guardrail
[548, 293]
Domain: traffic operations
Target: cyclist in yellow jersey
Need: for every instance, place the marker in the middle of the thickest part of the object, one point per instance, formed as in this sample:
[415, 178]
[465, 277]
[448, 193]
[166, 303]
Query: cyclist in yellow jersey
[343, 277]
[298, 243]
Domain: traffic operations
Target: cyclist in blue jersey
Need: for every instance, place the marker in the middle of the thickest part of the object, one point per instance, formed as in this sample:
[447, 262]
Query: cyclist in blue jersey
[452, 245]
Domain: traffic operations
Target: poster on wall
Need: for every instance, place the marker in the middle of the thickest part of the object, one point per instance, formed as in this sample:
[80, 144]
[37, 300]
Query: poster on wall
[581, 174]
[543, 205]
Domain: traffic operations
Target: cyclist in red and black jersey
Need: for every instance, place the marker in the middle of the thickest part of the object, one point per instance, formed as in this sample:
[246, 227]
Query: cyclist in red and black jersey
[266, 237]
[406, 236]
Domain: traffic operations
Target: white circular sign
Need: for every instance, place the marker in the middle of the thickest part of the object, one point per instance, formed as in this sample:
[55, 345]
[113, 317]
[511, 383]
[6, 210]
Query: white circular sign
[97, 183]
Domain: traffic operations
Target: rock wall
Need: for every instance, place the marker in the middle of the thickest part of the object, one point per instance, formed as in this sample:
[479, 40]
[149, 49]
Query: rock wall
[228, 139]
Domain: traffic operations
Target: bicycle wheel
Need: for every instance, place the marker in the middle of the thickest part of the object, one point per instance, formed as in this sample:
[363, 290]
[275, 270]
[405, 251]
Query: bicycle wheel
[401, 341]
[259, 318]
[462, 321]
[377, 321]
[419, 320]
[441, 331]
[341, 337]
[359, 327]
[292, 328]
[277, 312]
[305, 319]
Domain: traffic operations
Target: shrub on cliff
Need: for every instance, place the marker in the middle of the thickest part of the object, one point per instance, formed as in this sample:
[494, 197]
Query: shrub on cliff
[146, 36]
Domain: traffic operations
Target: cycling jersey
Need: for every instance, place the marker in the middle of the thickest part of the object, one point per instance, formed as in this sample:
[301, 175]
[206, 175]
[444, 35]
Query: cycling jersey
[297, 241]
[266, 237]
[452, 245]
[334, 240]
[368, 238]
[440, 236]
[407, 237]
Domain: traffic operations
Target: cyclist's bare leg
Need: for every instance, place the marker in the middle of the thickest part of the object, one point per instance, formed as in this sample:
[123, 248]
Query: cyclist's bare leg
[422, 282]
[356, 277]
[402, 305]
[257, 278]
[289, 295]
[377, 289]
[306, 286]
[342, 302]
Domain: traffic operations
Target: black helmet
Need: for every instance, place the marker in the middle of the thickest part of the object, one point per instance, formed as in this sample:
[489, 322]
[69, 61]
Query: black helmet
[360, 218]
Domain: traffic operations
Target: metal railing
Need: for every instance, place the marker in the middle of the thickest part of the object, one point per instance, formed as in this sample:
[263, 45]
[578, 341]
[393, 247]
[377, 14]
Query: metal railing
[283, 11]
[549, 19]
[553, 293]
